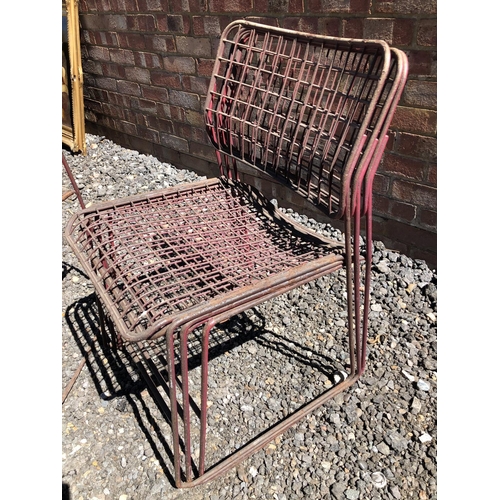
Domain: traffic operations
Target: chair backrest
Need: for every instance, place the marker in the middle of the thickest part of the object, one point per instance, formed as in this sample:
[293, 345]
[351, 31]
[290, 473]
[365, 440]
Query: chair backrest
[295, 105]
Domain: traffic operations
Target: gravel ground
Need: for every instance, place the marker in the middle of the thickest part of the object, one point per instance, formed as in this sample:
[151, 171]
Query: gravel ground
[377, 440]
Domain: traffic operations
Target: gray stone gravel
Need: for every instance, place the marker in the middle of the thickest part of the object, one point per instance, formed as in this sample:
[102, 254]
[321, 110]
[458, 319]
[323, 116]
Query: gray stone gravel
[378, 440]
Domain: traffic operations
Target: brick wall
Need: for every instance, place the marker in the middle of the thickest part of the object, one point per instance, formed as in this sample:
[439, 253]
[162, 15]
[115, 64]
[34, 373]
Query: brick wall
[147, 64]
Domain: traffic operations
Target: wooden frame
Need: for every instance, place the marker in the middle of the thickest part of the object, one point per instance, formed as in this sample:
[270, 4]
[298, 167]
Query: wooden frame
[73, 117]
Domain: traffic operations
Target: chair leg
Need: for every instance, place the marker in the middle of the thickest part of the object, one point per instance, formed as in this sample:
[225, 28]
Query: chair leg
[185, 478]
[361, 317]
[351, 285]
[368, 266]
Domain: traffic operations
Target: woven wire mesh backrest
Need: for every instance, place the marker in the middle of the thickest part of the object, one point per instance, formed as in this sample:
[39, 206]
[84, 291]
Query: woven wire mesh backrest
[295, 105]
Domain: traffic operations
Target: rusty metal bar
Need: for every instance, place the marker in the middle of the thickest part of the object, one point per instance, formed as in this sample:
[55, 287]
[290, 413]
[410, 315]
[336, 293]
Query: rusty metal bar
[73, 182]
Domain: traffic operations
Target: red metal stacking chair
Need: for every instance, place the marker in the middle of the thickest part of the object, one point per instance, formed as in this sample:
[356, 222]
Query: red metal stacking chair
[313, 112]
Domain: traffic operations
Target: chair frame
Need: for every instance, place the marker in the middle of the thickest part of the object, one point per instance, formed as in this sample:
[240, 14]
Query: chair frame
[249, 53]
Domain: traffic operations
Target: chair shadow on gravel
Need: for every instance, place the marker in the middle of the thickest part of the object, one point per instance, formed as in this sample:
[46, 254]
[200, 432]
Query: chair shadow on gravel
[66, 495]
[117, 376]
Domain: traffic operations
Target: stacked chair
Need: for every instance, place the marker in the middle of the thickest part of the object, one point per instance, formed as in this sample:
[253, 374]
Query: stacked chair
[311, 111]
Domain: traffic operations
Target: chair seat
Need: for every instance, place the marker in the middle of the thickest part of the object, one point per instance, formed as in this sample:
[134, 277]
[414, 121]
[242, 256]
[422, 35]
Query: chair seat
[152, 257]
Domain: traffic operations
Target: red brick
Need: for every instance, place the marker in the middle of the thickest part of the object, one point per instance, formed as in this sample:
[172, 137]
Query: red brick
[352, 28]
[86, 6]
[128, 88]
[163, 111]
[420, 94]
[191, 46]
[106, 38]
[198, 85]
[113, 111]
[152, 5]
[126, 127]
[330, 26]
[135, 117]
[156, 94]
[305, 24]
[360, 6]
[177, 143]
[185, 65]
[179, 6]
[189, 132]
[143, 105]
[141, 22]
[391, 141]
[99, 53]
[91, 67]
[432, 174]
[125, 5]
[106, 83]
[279, 6]
[134, 41]
[107, 121]
[93, 105]
[378, 29]
[152, 122]
[147, 60]
[416, 120]
[224, 6]
[122, 56]
[420, 62]
[170, 23]
[165, 126]
[159, 44]
[402, 211]
[195, 118]
[380, 204]
[162, 79]
[87, 37]
[206, 25]
[405, 7]
[100, 94]
[139, 75]
[94, 23]
[418, 194]
[148, 134]
[427, 33]
[428, 218]
[204, 67]
[403, 32]
[185, 99]
[116, 22]
[409, 168]
[113, 71]
[105, 5]
[329, 6]
[381, 184]
[119, 99]
[177, 113]
[417, 145]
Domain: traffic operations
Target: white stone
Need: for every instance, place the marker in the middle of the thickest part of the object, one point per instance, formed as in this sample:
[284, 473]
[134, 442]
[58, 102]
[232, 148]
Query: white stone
[425, 438]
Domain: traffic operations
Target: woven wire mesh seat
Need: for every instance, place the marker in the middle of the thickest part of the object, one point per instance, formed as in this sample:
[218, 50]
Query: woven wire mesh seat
[311, 111]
